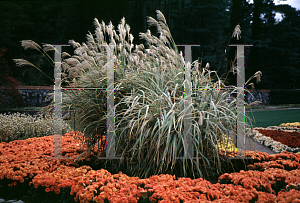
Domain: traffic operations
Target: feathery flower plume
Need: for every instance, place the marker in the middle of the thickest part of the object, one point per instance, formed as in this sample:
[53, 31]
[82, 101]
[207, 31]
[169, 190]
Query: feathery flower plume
[140, 54]
[207, 66]
[196, 67]
[73, 72]
[103, 26]
[92, 53]
[48, 47]
[131, 38]
[257, 75]
[254, 103]
[65, 54]
[161, 17]
[72, 61]
[252, 85]
[77, 57]
[237, 32]
[29, 44]
[123, 22]
[79, 51]
[121, 38]
[127, 28]
[91, 41]
[152, 22]
[65, 66]
[23, 62]
[131, 47]
[85, 65]
[122, 30]
[96, 23]
[162, 28]
[74, 44]
[99, 35]
[85, 47]
[109, 29]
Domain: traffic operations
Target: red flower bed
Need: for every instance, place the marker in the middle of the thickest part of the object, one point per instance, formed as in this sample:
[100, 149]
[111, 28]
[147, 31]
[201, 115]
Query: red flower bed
[276, 178]
[291, 139]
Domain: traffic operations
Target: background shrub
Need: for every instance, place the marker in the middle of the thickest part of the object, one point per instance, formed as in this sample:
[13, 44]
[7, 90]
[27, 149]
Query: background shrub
[20, 126]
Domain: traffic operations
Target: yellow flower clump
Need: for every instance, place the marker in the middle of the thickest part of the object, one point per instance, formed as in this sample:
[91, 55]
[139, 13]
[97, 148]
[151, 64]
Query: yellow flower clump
[226, 143]
[295, 124]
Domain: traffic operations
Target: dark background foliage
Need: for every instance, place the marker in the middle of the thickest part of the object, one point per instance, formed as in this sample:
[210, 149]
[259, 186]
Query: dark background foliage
[10, 97]
[206, 22]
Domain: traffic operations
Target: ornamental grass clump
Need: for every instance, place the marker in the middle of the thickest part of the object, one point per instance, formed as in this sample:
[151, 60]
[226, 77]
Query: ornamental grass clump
[149, 83]
[20, 126]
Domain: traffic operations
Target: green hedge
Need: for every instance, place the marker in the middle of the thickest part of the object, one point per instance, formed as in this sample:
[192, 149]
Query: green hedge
[285, 96]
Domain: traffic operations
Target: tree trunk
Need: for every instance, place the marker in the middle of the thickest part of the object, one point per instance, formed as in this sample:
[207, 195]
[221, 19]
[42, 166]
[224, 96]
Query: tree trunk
[144, 9]
[169, 13]
[182, 20]
[137, 17]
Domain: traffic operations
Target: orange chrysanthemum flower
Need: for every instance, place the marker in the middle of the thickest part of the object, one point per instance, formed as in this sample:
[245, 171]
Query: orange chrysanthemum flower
[57, 190]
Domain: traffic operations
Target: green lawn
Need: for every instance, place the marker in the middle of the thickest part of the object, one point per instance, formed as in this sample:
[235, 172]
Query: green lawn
[268, 118]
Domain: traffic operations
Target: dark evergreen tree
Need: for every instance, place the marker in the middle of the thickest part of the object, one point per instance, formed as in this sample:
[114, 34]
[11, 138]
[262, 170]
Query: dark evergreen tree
[206, 23]
[285, 52]
[254, 58]
[276, 46]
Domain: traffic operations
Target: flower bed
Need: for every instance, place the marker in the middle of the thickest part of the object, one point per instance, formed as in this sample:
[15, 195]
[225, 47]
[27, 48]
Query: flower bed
[291, 139]
[295, 124]
[274, 179]
[279, 139]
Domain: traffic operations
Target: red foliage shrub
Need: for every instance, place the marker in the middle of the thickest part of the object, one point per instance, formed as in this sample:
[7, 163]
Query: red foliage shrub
[9, 96]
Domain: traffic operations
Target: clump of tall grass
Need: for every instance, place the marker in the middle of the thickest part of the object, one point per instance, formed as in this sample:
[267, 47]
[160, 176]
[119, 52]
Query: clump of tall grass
[20, 126]
[149, 100]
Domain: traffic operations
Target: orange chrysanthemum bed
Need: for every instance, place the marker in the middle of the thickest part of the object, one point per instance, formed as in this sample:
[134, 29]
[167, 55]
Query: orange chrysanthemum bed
[275, 178]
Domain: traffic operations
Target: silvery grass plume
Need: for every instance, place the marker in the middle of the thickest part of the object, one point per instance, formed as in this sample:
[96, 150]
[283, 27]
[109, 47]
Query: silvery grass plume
[29, 44]
[237, 32]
